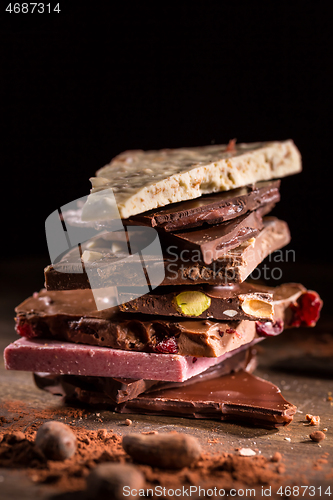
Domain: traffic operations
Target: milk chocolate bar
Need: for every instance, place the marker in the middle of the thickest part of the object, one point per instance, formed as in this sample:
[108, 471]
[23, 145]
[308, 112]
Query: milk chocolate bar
[145, 180]
[120, 390]
[71, 316]
[238, 396]
[151, 334]
[233, 267]
[53, 356]
[211, 209]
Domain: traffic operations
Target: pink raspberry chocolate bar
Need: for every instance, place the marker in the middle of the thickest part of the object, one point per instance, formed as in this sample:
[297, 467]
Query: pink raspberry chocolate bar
[38, 355]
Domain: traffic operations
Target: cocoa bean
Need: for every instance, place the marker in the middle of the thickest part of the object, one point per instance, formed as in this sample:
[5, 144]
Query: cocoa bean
[114, 480]
[56, 440]
[167, 451]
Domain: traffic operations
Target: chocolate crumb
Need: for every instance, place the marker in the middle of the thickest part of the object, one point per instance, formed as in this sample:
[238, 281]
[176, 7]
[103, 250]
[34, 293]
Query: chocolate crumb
[246, 452]
[4, 420]
[281, 469]
[14, 437]
[102, 433]
[212, 440]
[313, 419]
[85, 440]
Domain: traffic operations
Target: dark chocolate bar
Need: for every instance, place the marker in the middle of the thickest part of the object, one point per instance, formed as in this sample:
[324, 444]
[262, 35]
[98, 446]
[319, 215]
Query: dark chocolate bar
[211, 209]
[235, 301]
[211, 243]
[233, 267]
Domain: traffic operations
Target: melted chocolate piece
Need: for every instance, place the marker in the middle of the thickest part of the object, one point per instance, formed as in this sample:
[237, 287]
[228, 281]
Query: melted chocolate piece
[211, 209]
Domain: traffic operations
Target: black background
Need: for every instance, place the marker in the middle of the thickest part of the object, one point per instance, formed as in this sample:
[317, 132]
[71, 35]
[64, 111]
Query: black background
[80, 86]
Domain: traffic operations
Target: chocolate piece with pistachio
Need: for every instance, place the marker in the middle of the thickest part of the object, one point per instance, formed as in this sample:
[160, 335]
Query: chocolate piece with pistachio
[229, 302]
[72, 316]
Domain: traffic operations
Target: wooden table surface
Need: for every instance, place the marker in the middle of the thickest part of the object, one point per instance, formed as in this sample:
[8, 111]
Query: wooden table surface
[304, 375]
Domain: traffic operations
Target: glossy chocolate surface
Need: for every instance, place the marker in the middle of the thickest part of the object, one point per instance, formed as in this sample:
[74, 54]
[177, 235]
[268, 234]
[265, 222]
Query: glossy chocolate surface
[225, 301]
[215, 241]
[211, 209]
[237, 396]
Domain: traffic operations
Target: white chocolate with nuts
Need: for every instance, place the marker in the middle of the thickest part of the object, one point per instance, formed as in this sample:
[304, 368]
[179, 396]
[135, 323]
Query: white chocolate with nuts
[144, 180]
[91, 256]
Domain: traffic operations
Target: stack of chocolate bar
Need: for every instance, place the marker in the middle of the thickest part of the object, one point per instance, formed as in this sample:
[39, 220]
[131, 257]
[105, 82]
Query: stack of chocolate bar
[179, 341]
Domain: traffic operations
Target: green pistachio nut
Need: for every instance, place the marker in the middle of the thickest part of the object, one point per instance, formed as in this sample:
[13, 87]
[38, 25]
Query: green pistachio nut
[192, 303]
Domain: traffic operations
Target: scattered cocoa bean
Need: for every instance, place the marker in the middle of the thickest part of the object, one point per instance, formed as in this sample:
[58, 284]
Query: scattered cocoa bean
[167, 451]
[108, 480]
[128, 421]
[277, 457]
[56, 440]
[317, 436]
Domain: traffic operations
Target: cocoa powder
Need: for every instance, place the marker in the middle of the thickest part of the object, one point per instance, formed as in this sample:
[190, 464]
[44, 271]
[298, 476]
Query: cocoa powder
[69, 474]
[17, 451]
[95, 447]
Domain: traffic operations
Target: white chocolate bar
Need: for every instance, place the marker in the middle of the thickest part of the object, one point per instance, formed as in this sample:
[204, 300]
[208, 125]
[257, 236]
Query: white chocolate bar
[145, 180]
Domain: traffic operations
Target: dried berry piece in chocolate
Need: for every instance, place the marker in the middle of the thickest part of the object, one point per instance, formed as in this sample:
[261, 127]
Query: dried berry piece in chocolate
[306, 309]
[269, 329]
